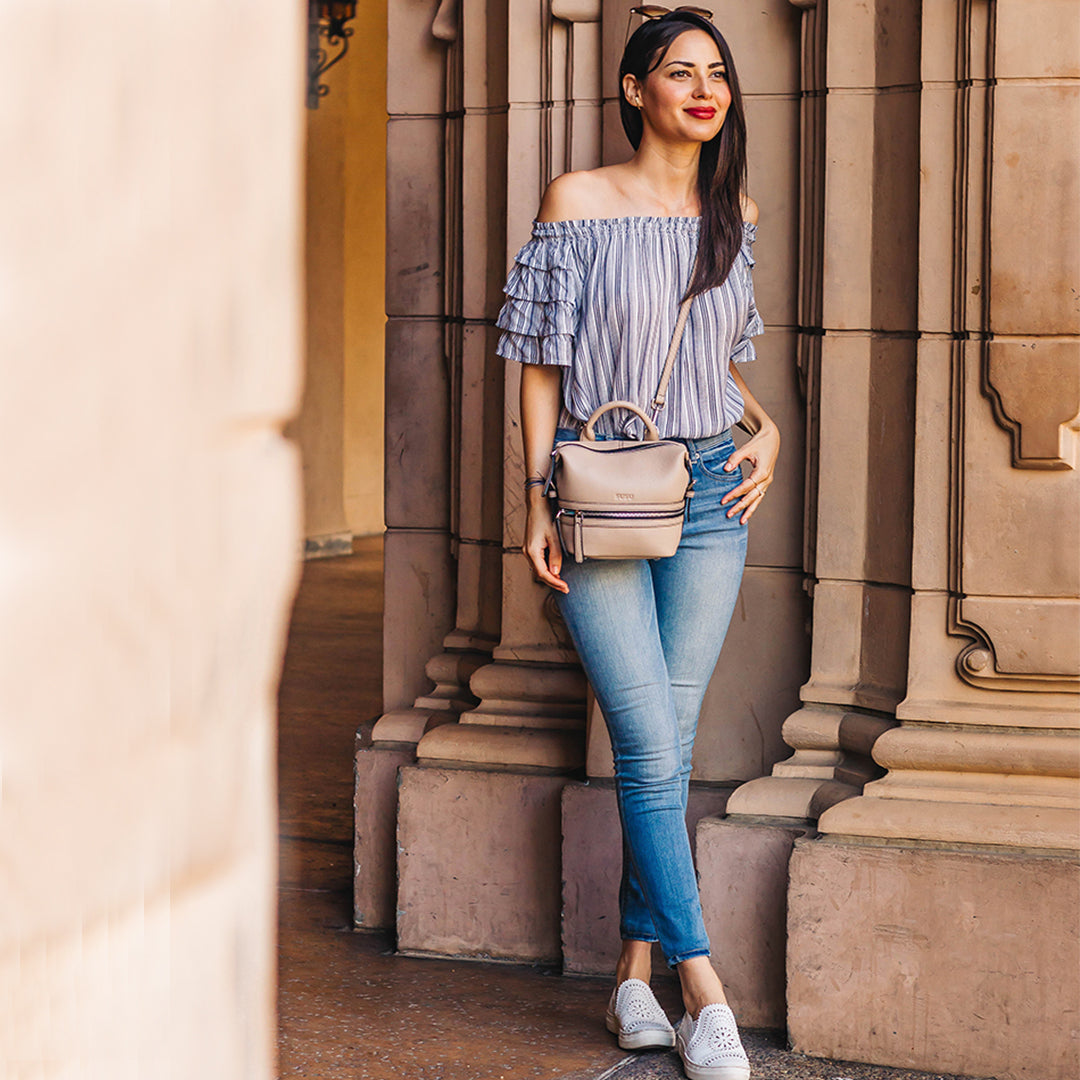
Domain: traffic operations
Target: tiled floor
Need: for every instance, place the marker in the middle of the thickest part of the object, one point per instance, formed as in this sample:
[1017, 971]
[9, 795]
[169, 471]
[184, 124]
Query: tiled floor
[349, 1008]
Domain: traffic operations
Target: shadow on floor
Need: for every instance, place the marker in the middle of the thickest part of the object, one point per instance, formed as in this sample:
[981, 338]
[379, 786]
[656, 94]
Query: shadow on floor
[349, 1009]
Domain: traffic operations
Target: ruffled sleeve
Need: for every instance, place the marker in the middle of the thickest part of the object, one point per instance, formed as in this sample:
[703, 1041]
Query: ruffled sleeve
[540, 316]
[744, 348]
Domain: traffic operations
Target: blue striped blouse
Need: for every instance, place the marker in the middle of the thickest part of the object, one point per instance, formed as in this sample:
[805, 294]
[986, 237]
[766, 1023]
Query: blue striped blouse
[600, 298]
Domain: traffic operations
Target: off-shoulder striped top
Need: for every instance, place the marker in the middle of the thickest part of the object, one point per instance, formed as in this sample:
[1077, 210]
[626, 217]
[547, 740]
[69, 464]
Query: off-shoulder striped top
[600, 297]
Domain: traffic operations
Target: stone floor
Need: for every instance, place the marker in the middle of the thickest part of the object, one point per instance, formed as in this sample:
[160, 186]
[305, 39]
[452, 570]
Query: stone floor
[349, 1008]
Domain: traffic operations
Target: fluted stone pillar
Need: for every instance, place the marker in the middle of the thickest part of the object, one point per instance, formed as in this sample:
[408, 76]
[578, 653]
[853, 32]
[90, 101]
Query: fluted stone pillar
[443, 468]
[861, 411]
[473, 878]
[953, 878]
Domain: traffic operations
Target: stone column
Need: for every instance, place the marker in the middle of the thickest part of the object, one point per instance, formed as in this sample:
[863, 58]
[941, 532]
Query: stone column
[444, 410]
[418, 561]
[950, 878]
[473, 877]
[863, 387]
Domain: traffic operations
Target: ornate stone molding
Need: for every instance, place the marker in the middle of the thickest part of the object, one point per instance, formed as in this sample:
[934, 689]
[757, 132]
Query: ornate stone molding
[450, 671]
[467, 648]
[1027, 641]
[444, 26]
[1045, 660]
[831, 763]
[1034, 387]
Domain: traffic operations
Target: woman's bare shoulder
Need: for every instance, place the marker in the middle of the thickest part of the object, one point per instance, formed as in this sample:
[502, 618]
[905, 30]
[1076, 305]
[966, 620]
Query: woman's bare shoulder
[749, 210]
[578, 195]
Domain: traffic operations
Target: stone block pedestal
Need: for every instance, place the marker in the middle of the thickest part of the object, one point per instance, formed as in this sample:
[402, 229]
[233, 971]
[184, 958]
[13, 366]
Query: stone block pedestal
[479, 866]
[942, 959]
[743, 871]
[375, 834]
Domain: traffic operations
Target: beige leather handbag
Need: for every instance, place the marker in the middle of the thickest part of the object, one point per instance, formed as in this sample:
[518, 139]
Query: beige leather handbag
[623, 498]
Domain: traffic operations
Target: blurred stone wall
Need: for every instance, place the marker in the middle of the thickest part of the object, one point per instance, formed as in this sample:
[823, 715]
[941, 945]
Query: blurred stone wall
[150, 167]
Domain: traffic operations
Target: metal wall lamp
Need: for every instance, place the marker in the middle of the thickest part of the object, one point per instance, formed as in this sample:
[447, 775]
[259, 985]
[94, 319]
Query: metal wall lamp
[326, 19]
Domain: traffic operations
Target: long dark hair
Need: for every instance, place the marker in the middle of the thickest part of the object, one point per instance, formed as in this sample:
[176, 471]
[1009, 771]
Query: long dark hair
[722, 165]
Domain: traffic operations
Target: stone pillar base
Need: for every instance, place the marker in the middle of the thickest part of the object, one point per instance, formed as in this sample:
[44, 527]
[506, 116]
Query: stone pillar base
[374, 836]
[592, 867]
[479, 866]
[940, 959]
[743, 870]
[391, 744]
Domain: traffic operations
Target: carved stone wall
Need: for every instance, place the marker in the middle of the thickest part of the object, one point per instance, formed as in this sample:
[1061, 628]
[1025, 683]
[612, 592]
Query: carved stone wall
[995, 641]
[981, 784]
[921, 358]
[859, 273]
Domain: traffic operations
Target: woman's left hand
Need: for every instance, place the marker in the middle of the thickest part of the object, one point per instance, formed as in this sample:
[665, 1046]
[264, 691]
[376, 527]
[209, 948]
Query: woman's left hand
[761, 450]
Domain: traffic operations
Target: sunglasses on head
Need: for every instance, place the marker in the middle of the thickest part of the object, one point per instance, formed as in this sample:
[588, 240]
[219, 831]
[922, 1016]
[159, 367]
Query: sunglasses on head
[655, 11]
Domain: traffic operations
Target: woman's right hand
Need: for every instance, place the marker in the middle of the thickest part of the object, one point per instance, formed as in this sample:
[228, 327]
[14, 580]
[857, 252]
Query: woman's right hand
[541, 546]
[541, 394]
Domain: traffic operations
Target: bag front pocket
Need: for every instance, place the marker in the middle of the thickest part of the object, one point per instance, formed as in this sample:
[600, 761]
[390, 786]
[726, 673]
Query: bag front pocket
[620, 534]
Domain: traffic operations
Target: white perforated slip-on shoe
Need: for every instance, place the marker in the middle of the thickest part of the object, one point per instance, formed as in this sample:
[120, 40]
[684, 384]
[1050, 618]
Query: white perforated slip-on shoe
[635, 1016]
[710, 1047]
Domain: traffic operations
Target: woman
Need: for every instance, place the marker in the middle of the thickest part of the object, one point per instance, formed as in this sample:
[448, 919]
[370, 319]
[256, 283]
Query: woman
[591, 305]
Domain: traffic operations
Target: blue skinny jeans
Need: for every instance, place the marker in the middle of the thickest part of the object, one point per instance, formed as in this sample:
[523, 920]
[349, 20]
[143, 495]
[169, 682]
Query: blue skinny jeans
[649, 632]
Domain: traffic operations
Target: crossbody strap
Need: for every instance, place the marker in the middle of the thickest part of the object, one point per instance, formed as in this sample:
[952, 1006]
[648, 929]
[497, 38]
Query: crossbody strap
[684, 311]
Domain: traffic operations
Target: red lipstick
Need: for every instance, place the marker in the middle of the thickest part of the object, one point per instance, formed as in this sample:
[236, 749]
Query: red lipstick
[704, 113]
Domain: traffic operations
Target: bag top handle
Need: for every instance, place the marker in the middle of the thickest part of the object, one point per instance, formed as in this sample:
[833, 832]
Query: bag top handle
[588, 434]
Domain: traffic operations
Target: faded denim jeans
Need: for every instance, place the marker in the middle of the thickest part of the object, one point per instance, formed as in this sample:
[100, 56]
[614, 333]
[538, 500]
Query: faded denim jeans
[649, 632]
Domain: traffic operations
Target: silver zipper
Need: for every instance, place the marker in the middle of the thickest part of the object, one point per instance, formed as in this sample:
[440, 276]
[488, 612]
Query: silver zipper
[627, 513]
